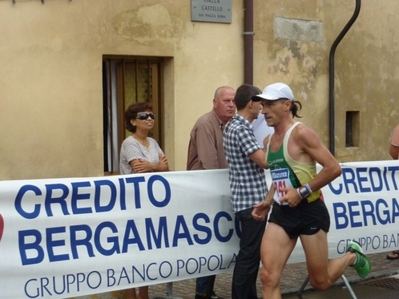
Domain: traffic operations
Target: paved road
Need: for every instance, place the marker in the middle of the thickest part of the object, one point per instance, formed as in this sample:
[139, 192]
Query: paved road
[382, 283]
[375, 286]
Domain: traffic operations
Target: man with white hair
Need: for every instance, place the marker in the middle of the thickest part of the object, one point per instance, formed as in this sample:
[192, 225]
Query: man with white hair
[205, 151]
[292, 152]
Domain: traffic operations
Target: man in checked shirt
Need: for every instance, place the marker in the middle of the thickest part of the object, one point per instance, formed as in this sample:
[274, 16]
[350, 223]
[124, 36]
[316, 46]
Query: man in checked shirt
[246, 162]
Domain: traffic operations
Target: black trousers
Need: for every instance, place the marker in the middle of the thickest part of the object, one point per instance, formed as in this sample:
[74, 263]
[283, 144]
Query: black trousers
[248, 259]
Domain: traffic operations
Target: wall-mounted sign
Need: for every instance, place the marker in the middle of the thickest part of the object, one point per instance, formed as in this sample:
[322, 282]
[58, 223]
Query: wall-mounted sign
[218, 11]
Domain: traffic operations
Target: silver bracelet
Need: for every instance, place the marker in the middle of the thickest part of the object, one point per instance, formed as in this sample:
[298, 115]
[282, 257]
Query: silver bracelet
[303, 192]
[308, 188]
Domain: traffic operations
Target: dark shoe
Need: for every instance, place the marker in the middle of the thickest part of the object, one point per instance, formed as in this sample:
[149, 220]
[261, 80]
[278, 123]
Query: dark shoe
[214, 296]
[394, 255]
[202, 296]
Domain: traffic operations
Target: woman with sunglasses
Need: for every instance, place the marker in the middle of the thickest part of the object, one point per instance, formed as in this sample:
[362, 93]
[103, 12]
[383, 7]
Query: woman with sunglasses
[140, 154]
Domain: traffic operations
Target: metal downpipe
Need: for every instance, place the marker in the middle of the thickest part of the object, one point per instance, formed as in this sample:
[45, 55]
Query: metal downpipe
[332, 79]
[248, 41]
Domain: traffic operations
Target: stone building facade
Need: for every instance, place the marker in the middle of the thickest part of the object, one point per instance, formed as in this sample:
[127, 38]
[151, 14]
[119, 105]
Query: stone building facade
[69, 67]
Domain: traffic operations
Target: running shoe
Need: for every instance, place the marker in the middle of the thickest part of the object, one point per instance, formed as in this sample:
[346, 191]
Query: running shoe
[362, 264]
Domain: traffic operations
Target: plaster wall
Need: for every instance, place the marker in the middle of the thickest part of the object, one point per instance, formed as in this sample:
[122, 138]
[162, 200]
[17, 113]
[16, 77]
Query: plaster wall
[366, 72]
[51, 86]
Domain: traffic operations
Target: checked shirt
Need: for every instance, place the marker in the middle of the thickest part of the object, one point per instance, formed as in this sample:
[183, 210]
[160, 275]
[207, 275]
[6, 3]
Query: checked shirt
[247, 179]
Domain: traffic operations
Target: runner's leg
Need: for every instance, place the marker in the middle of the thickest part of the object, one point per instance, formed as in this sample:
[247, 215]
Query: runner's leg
[275, 251]
[322, 272]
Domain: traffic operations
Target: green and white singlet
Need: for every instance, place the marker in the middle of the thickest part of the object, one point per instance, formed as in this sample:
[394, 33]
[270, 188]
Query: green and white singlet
[288, 173]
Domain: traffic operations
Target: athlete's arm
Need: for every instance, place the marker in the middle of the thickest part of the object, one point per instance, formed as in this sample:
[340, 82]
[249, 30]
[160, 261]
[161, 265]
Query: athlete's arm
[310, 144]
[261, 209]
[305, 146]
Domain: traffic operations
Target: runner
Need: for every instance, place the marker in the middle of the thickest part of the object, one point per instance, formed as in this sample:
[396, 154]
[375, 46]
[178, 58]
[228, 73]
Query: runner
[298, 210]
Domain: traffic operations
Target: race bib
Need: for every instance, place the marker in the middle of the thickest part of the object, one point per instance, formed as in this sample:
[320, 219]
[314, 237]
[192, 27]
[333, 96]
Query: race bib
[281, 179]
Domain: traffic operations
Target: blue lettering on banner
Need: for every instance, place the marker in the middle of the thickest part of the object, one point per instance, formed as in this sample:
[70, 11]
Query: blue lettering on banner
[107, 278]
[216, 227]
[76, 197]
[106, 240]
[365, 213]
[377, 242]
[202, 228]
[49, 286]
[156, 237]
[65, 242]
[81, 200]
[366, 180]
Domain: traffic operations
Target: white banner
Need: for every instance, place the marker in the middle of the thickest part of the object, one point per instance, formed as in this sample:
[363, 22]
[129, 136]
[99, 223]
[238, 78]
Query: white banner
[62, 238]
[364, 206]
[69, 237]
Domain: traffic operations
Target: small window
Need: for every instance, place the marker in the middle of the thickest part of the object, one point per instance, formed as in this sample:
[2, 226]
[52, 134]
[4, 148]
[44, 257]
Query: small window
[127, 80]
[352, 129]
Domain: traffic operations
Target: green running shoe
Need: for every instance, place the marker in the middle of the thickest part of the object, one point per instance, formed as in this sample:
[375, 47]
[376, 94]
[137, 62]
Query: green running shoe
[362, 264]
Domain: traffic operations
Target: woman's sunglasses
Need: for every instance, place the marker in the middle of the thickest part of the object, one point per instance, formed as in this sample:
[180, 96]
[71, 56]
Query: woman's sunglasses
[144, 116]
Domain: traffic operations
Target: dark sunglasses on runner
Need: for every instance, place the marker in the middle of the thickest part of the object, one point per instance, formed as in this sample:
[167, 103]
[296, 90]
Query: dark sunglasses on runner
[144, 116]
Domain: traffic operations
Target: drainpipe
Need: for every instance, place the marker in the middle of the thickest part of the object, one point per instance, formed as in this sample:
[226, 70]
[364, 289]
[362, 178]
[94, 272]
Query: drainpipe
[331, 77]
[248, 41]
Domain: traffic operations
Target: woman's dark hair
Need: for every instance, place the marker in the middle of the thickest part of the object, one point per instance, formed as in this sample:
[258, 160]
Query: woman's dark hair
[131, 113]
[295, 107]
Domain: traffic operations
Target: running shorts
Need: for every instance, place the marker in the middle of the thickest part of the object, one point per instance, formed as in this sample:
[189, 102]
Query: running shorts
[305, 219]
